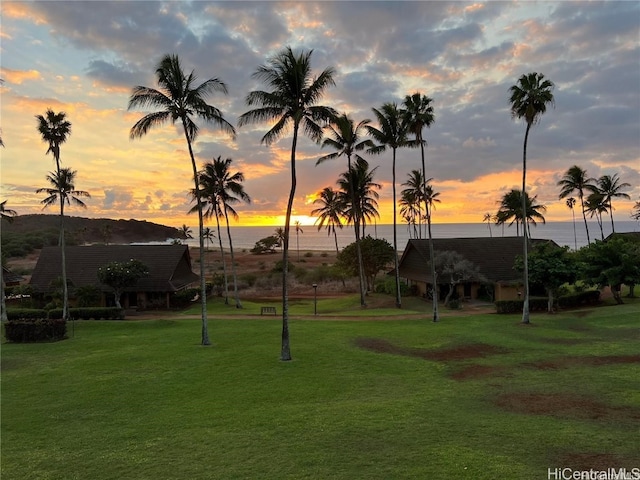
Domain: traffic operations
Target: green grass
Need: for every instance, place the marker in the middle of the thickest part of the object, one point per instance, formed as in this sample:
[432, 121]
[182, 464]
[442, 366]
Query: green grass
[143, 400]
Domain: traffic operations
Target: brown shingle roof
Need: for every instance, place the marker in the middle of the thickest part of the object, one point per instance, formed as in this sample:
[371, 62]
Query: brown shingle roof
[169, 266]
[494, 256]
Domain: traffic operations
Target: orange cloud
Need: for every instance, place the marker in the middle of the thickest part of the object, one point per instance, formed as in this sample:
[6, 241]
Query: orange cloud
[19, 76]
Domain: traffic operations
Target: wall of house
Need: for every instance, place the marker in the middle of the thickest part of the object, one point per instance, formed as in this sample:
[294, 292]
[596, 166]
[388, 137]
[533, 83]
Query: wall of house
[508, 292]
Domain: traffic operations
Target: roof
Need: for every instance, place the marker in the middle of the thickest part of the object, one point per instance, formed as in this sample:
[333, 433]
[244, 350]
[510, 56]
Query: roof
[493, 256]
[169, 266]
[9, 277]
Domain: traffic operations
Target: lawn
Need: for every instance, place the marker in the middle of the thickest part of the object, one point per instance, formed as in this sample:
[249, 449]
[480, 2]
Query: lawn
[475, 397]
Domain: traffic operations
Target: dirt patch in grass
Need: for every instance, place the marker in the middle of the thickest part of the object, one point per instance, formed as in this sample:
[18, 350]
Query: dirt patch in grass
[579, 361]
[461, 352]
[562, 341]
[564, 405]
[478, 371]
[596, 461]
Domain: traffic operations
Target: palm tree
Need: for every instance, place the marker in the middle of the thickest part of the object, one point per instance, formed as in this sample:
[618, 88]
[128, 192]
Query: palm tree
[298, 232]
[610, 187]
[635, 212]
[63, 190]
[180, 99]
[393, 133]
[291, 102]
[596, 205]
[410, 211]
[345, 138]
[329, 212]
[279, 234]
[185, 231]
[5, 214]
[54, 129]
[208, 235]
[575, 180]
[488, 217]
[358, 183]
[511, 209]
[528, 100]
[227, 190]
[413, 196]
[571, 203]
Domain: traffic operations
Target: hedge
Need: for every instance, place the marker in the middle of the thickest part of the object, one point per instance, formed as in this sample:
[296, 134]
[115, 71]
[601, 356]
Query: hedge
[35, 330]
[80, 313]
[538, 304]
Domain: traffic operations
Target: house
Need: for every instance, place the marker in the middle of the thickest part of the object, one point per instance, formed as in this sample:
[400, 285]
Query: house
[494, 258]
[9, 278]
[169, 271]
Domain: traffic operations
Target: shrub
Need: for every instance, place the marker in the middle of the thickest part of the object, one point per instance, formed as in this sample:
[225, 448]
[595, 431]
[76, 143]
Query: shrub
[28, 330]
[184, 298]
[249, 279]
[387, 285]
[308, 254]
[515, 306]
[324, 254]
[589, 297]
[90, 313]
[25, 313]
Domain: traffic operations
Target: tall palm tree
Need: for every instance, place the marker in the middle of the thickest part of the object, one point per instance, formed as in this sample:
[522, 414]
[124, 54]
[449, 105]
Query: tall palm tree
[528, 101]
[54, 129]
[358, 183]
[227, 190]
[511, 209]
[5, 214]
[413, 196]
[596, 205]
[575, 179]
[185, 231]
[392, 134]
[279, 234]
[635, 212]
[571, 203]
[610, 187]
[488, 217]
[345, 137]
[291, 102]
[62, 189]
[299, 230]
[411, 212]
[420, 115]
[179, 98]
[329, 212]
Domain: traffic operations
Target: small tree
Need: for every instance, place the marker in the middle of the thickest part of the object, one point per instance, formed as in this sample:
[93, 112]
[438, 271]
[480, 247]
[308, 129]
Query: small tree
[454, 268]
[121, 275]
[266, 245]
[550, 266]
[377, 253]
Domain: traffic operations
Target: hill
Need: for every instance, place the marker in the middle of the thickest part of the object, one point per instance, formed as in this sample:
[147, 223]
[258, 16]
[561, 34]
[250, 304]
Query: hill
[91, 230]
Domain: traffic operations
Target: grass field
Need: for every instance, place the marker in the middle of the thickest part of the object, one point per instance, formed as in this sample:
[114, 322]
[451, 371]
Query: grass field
[475, 397]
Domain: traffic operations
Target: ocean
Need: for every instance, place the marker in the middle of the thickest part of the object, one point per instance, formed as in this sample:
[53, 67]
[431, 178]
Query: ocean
[244, 238]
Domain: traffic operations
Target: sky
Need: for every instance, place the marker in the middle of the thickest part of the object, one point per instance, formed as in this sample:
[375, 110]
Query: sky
[83, 58]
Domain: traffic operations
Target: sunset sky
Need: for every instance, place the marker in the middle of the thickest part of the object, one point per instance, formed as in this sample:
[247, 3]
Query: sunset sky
[83, 58]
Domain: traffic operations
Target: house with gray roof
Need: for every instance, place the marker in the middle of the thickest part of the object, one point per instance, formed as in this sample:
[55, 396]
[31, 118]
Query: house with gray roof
[169, 271]
[494, 258]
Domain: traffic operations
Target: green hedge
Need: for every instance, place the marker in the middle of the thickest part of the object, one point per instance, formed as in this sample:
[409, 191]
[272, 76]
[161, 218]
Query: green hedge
[538, 304]
[80, 313]
[35, 330]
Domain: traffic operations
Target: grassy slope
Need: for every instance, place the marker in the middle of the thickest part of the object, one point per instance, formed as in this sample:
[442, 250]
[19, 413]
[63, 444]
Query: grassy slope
[143, 400]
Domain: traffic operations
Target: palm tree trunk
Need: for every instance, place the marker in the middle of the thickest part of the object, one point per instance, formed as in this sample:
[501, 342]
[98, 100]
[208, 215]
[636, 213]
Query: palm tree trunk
[224, 262]
[356, 226]
[575, 236]
[233, 263]
[203, 283]
[285, 351]
[613, 229]
[65, 290]
[431, 253]
[395, 234]
[525, 250]
[3, 305]
[584, 216]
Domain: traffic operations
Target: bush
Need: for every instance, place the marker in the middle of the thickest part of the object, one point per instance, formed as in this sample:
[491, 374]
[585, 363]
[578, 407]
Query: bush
[184, 298]
[387, 285]
[26, 313]
[590, 297]
[249, 279]
[515, 306]
[29, 330]
[90, 313]
[308, 254]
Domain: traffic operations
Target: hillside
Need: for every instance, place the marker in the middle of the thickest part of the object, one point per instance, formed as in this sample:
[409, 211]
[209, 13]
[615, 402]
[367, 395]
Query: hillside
[92, 230]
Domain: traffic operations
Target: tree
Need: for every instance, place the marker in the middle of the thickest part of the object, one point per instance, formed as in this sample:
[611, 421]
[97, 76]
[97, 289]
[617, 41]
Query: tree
[221, 189]
[454, 268]
[550, 266]
[358, 183]
[266, 245]
[528, 101]
[121, 275]
[345, 138]
[411, 199]
[596, 206]
[185, 231]
[279, 234]
[611, 263]
[377, 253]
[575, 179]
[489, 218]
[5, 214]
[54, 129]
[511, 209]
[291, 102]
[329, 212]
[62, 190]
[635, 213]
[299, 230]
[571, 203]
[392, 134]
[610, 187]
[180, 99]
